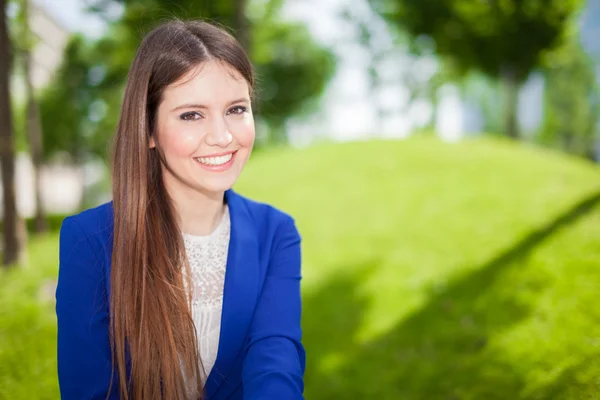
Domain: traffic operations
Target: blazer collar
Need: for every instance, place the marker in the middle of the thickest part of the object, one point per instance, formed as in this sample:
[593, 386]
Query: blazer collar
[240, 291]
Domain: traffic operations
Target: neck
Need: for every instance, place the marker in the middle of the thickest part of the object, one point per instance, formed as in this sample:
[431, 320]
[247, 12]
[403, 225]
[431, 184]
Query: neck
[198, 213]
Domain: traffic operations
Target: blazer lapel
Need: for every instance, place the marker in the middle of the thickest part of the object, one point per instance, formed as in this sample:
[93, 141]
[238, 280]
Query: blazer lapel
[240, 291]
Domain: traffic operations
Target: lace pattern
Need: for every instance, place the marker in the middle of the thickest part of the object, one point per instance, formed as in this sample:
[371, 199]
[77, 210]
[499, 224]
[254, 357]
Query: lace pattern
[207, 256]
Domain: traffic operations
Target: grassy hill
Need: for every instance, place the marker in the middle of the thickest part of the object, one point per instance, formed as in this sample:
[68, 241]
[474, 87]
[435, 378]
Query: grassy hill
[431, 271]
[443, 271]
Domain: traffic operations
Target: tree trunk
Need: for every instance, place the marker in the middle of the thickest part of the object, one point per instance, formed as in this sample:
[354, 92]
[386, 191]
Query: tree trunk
[242, 27]
[567, 139]
[434, 98]
[34, 129]
[12, 247]
[277, 132]
[511, 86]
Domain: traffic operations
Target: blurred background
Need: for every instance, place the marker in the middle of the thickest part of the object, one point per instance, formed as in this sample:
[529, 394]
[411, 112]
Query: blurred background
[440, 158]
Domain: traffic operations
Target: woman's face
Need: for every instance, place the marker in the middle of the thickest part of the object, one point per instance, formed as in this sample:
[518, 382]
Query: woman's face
[205, 129]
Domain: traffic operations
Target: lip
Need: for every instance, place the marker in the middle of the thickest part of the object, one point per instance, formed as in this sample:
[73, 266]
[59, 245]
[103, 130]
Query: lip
[218, 168]
[218, 154]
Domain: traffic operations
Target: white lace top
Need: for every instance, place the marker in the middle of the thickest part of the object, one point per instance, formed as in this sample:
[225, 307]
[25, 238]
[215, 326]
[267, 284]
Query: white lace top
[207, 256]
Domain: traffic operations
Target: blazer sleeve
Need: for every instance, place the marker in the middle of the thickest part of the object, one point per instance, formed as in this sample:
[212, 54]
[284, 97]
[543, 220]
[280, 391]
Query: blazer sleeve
[84, 356]
[275, 360]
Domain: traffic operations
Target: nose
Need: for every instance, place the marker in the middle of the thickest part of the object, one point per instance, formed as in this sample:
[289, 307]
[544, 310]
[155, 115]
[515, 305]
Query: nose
[218, 134]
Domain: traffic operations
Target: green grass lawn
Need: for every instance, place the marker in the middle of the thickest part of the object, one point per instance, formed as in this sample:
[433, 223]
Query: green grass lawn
[431, 271]
[28, 325]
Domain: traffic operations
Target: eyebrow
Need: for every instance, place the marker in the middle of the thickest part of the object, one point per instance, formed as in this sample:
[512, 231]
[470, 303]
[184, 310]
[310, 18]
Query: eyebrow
[191, 105]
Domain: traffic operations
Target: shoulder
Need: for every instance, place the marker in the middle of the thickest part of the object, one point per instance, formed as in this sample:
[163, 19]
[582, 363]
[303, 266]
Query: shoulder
[93, 219]
[94, 225]
[264, 216]
[277, 238]
[84, 254]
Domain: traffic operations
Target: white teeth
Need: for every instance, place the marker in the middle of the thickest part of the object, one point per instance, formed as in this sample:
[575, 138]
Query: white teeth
[215, 160]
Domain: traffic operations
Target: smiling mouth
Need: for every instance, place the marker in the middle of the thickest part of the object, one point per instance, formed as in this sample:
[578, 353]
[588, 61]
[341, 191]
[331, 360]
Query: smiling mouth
[215, 161]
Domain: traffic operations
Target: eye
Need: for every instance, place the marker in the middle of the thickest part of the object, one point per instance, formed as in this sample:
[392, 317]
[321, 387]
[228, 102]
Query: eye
[237, 110]
[190, 116]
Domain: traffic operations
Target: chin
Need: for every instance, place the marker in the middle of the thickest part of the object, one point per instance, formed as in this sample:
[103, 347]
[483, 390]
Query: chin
[216, 185]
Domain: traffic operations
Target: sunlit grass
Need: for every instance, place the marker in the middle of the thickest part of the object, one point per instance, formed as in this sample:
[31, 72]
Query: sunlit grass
[443, 271]
[431, 271]
[28, 325]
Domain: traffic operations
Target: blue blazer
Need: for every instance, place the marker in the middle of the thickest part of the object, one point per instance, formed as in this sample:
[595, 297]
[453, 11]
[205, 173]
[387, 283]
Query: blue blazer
[260, 353]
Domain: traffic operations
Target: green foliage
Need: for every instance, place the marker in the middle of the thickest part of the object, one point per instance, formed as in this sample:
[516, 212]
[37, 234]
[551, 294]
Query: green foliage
[292, 70]
[22, 37]
[571, 102]
[491, 36]
[65, 106]
[503, 39]
[424, 276]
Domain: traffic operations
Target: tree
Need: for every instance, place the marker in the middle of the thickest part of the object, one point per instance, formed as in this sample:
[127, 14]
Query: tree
[66, 129]
[24, 43]
[12, 247]
[241, 24]
[292, 69]
[571, 102]
[504, 39]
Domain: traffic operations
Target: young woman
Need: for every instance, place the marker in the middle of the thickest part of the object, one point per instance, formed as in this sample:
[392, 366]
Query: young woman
[181, 288]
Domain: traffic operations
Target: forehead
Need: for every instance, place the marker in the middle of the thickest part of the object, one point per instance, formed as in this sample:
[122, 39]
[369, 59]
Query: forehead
[211, 81]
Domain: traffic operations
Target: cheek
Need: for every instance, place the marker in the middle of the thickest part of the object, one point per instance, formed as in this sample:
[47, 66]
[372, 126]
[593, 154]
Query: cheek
[178, 140]
[244, 132]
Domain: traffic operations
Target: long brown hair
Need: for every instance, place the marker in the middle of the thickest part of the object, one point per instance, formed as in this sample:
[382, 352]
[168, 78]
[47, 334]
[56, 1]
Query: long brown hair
[151, 325]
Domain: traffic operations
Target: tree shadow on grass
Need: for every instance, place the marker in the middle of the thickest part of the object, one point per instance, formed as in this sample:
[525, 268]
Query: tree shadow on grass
[575, 382]
[333, 314]
[441, 351]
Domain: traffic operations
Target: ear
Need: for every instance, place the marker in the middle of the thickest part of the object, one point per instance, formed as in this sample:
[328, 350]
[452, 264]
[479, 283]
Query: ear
[152, 142]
